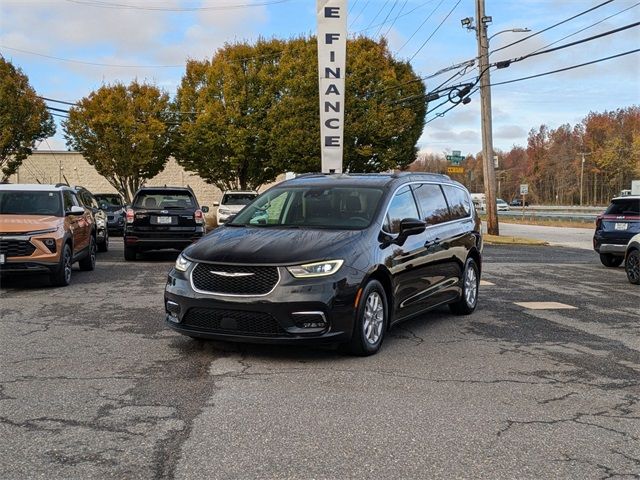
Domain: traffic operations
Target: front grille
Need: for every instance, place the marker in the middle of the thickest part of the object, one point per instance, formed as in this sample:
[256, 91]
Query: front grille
[234, 279]
[232, 321]
[16, 248]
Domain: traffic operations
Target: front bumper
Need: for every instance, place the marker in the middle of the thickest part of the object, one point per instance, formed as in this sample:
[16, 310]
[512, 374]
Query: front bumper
[297, 311]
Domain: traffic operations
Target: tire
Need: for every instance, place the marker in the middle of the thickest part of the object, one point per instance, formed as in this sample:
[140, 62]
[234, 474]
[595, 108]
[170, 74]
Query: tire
[130, 253]
[470, 286]
[372, 321]
[104, 245]
[632, 267]
[611, 261]
[88, 263]
[62, 275]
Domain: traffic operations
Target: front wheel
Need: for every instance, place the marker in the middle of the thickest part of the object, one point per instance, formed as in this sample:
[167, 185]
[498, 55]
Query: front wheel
[609, 260]
[632, 267]
[104, 245]
[470, 283]
[88, 263]
[61, 277]
[372, 320]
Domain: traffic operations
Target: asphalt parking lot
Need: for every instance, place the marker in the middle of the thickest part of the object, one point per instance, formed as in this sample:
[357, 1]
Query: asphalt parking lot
[92, 385]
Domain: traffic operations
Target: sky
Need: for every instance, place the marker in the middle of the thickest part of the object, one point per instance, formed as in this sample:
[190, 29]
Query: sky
[68, 48]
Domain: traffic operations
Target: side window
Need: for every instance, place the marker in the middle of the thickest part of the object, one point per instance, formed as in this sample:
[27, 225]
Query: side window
[69, 200]
[432, 202]
[458, 199]
[402, 206]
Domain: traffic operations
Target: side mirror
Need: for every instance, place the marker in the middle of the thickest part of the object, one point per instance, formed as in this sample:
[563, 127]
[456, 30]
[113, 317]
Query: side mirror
[230, 217]
[411, 226]
[204, 209]
[216, 204]
[75, 210]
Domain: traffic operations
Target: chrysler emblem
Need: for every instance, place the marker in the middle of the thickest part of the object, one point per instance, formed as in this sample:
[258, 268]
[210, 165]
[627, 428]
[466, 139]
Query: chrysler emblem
[231, 274]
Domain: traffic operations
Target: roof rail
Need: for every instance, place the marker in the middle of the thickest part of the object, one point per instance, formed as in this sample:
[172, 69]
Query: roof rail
[62, 184]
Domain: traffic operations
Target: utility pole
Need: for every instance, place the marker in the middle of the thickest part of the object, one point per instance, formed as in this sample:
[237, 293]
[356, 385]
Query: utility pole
[488, 168]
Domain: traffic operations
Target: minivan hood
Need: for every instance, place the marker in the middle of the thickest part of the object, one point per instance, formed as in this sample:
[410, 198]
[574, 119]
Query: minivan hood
[28, 223]
[271, 245]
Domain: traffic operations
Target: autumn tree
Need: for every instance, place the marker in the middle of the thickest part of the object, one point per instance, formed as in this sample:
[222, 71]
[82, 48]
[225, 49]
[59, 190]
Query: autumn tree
[24, 119]
[124, 132]
[252, 112]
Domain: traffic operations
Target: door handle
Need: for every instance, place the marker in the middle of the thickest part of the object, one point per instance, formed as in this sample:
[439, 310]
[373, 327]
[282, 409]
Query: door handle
[432, 243]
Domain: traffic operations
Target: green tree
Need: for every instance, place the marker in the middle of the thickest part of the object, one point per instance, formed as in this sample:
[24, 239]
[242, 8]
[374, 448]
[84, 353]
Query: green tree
[252, 112]
[24, 119]
[124, 132]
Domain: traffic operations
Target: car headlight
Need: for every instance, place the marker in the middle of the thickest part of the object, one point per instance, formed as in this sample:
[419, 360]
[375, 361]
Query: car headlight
[182, 264]
[224, 211]
[317, 269]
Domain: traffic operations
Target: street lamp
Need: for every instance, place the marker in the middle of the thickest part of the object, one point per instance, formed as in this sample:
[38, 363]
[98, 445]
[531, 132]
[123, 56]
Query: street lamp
[515, 30]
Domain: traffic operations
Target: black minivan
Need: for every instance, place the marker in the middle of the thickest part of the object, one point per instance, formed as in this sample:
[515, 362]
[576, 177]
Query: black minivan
[331, 258]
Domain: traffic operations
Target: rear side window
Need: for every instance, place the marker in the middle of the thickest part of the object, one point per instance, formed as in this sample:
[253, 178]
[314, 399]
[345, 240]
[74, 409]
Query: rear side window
[627, 206]
[459, 204]
[432, 202]
[164, 200]
[402, 206]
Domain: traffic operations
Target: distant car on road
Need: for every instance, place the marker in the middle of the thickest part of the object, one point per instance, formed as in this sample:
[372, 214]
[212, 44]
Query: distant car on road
[502, 205]
[517, 202]
[614, 229]
[113, 204]
[232, 202]
[161, 218]
[632, 260]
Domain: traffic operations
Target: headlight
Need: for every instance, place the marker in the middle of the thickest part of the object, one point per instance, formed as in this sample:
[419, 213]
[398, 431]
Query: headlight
[224, 211]
[182, 264]
[318, 269]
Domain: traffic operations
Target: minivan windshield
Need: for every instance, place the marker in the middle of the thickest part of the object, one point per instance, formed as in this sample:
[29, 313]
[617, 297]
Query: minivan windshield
[345, 208]
[21, 202]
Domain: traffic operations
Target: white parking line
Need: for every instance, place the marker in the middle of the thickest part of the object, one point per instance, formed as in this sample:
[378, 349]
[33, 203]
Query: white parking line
[544, 305]
[486, 283]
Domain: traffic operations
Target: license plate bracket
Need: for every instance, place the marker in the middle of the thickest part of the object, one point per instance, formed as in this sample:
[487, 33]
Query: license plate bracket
[2, 258]
[164, 220]
[621, 226]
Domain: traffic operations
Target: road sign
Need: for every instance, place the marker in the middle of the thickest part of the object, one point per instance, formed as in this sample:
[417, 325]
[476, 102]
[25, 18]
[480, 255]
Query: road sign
[455, 169]
[524, 189]
[456, 158]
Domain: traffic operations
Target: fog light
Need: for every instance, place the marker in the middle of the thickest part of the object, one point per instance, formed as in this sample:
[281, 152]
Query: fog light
[310, 320]
[172, 308]
[50, 243]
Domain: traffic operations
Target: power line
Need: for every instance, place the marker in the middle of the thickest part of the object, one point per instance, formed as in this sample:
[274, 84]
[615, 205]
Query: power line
[358, 16]
[422, 5]
[420, 26]
[56, 101]
[395, 4]
[379, 11]
[436, 30]
[122, 6]
[568, 68]
[552, 26]
[395, 19]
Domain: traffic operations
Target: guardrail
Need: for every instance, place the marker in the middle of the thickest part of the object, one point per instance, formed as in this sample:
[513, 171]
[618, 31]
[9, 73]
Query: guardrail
[547, 215]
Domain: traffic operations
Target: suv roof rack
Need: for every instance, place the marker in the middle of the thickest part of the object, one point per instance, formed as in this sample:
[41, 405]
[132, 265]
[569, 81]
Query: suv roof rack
[60, 184]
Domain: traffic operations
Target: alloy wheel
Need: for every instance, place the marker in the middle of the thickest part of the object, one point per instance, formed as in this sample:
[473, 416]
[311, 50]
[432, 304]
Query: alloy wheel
[633, 268]
[470, 286]
[373, 318]
[67, 265]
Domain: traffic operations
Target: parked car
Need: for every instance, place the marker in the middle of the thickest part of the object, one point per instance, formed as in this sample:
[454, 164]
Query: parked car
[232, 202]
[331, 258]
[517, 202]
[45, 228]
[632, 260]
[162, 218]
[100, 216]
[614, 229]
[502, 205]
[113, 204]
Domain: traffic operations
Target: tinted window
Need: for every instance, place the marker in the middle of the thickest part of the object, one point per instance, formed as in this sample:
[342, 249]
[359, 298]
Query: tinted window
[164, 200]
[627, 206]
[402, 206]
[237, 198]
[110, 199]
[432, 202]
[87, 199]
[70, 200]
[459, 205]
[30, 203]
[349, 208]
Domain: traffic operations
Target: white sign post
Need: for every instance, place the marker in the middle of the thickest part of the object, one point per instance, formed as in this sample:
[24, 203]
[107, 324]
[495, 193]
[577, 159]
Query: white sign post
[332, 53]
[524, 191]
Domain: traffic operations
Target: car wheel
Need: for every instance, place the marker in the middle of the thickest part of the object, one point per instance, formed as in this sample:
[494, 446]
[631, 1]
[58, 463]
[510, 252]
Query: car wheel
[104, 246]
[129, 253]
[62, 275]
[88, 263]
[632, 267]
[609, 260]
[470, 283]
[372, 319]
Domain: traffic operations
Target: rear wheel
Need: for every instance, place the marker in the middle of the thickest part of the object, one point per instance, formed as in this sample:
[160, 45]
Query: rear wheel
[609, 260]
[372, 319]
[88, 263]
[62, 275]
[632, 267]
[129, 253]
[470, 282]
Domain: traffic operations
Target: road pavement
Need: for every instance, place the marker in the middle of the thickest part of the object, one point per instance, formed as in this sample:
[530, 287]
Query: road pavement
[92, 385]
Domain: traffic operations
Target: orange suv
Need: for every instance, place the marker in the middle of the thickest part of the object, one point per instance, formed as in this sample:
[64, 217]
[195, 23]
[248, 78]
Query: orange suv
[45, 228]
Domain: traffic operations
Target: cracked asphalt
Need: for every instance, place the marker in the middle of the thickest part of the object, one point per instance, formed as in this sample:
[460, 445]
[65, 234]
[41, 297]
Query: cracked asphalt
[92, 385]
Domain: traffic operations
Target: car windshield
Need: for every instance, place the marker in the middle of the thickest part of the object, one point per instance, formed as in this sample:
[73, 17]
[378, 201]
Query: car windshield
[237, 198]
[164, 200]
[346, 208]
[111, 200]
[627, 206]
[30, 203]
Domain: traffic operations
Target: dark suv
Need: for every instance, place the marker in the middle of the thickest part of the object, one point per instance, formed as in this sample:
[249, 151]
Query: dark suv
[331, 258]
[114, 206]
[162, 217]
[615, 227]
[100, 216]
